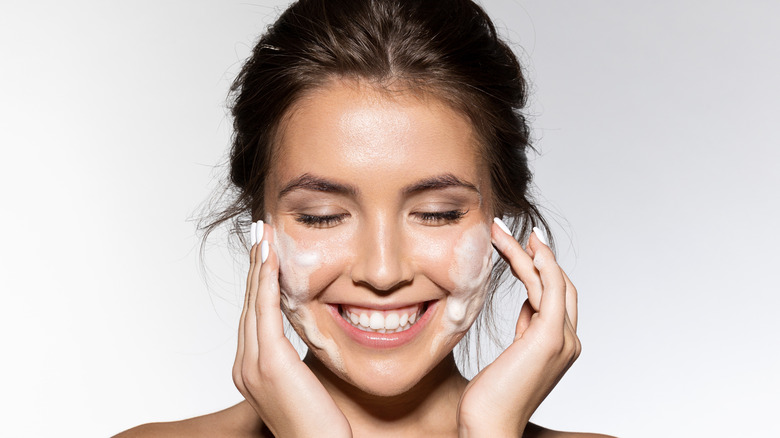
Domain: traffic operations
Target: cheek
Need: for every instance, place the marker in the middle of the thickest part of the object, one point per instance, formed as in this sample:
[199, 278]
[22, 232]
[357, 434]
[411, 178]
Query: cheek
[469, 273]
[461, 264]
[306, 266]
[432, 255]
[296, 266]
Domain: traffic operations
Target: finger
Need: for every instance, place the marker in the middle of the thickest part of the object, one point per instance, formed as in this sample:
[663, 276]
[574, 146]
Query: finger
[252, 266]
[524, 319]
[571, 301]
[268, 308]
[251, 342]
[553, 304]
[521, 263]
[237, 365]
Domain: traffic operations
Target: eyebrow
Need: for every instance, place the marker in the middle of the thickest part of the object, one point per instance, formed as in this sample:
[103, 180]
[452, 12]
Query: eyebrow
[438, 183]
[311, 182]
[317, 184]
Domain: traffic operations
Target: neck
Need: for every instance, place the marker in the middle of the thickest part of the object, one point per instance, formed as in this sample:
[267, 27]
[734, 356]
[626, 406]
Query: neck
[430, 404]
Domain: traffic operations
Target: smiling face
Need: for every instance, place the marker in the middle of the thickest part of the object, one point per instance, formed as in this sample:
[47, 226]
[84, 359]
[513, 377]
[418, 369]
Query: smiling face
[381, 208]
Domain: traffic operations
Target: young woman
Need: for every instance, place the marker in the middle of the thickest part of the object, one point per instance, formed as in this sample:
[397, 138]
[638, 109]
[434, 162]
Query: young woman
[377, 142]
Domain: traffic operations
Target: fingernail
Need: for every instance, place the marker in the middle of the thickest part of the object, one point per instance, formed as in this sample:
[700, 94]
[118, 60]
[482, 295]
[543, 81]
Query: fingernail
[502, 225]
[259, 231]
[539, 235]
[252, 229]
[263, 251]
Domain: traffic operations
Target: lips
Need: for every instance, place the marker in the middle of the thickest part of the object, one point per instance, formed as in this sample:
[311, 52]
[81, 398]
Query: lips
[382, 321]
[383, 328]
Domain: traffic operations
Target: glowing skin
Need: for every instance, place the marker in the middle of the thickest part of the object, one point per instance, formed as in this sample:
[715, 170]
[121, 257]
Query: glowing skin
[379, 203]
[469, 272]
[297, 263]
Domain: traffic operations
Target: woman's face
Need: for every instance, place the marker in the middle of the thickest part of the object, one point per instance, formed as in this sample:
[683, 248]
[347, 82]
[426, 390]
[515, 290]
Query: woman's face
[380, 206]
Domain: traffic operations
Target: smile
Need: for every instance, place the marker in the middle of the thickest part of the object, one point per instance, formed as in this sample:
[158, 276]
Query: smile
[382, 321]
[383, 328]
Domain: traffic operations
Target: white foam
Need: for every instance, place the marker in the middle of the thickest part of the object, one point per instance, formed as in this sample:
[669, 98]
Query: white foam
[303, 319]
[296, 266]
[470, 274]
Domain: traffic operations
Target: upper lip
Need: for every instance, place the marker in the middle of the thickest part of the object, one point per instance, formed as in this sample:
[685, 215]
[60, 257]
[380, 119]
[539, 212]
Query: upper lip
[383, 306]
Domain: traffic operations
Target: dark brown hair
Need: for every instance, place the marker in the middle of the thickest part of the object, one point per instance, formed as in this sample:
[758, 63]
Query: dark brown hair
[448, 49]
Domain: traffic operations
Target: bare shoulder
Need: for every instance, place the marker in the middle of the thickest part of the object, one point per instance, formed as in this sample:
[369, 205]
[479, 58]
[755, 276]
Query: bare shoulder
[536, 431]
[236, 421]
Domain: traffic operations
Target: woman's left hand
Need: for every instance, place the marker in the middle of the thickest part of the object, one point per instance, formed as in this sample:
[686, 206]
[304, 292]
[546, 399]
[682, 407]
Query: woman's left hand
[500, 400]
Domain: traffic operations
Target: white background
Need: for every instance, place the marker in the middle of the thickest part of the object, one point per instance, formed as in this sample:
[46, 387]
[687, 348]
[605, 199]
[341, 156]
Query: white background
[657, 127]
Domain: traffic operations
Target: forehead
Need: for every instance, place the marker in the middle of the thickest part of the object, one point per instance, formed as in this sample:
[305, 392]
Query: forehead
[362, 133]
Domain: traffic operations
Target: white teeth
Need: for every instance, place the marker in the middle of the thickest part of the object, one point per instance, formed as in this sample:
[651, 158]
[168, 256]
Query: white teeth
[391, 321]
[377, 321]
[382, 322]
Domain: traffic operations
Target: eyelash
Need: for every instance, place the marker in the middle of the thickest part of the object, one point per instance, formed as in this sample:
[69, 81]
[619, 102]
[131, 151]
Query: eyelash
[442, 217]
[432, 218]
[321, 221]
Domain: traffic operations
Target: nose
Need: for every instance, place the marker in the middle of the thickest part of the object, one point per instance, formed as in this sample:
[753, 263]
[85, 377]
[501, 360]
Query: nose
[382, 263]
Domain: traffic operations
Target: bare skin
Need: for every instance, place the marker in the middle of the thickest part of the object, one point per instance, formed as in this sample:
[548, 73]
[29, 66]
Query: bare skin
[240, 421]
[347, 137]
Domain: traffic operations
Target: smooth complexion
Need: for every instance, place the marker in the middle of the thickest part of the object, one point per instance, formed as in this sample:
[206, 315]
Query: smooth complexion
[378, 200]
[298, 262]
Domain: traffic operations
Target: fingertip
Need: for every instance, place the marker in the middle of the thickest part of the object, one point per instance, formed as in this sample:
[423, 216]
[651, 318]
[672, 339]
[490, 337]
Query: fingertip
[502, 225]
[252, 229]
[259, 231]
[501, 237]
[540, 235]
[264, 250]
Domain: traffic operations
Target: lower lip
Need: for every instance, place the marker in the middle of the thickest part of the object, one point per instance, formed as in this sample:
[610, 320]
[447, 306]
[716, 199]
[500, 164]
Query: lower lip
[383, 340]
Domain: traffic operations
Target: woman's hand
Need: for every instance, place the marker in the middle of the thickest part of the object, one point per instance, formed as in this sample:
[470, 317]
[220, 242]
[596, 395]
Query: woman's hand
[268, 372]
[500, 400]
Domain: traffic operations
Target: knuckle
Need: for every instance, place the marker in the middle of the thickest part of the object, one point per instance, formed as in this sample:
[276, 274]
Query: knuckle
[572, 292]
[266, 369]
[252, 381]
[238, 381]
[577, 347]
[249, 376]
[572, 348]
[558, 345]
[552, 346]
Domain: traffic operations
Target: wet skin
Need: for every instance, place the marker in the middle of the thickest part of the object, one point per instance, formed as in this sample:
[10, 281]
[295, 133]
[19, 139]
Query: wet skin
[379, 189]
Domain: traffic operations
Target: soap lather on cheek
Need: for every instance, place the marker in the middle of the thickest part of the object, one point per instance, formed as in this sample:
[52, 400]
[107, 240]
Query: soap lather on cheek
[296, 266]
[470, 274]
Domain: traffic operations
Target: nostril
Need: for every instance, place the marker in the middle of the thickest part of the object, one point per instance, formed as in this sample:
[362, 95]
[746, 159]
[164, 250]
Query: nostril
[380, 289]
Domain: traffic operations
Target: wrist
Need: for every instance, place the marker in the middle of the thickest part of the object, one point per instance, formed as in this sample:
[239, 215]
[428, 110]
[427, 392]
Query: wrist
[488, 431]
[479, 426]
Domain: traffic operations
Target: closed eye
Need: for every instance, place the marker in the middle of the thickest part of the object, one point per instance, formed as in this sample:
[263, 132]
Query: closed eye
[441, 217]
[321, 221]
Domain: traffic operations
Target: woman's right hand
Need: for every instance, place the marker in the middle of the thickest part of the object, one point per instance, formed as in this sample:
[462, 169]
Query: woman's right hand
[268, 372]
